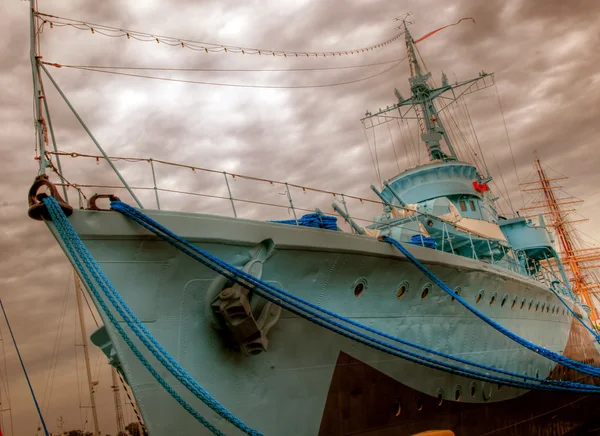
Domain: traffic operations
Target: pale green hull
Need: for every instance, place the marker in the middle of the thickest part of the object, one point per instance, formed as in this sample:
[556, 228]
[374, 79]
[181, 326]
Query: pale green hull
[284, 390]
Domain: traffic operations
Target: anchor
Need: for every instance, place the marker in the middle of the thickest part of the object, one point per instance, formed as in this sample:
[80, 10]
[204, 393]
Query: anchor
[234, 307]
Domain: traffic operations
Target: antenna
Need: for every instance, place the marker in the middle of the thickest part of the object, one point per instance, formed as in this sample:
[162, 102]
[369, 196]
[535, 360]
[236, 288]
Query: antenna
[403, 19]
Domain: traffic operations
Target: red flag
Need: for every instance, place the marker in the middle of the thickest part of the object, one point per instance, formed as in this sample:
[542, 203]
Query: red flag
[442, 28]
[479, 187]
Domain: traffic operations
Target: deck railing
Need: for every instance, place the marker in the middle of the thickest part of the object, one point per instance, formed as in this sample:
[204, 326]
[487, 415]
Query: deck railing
[288, 196]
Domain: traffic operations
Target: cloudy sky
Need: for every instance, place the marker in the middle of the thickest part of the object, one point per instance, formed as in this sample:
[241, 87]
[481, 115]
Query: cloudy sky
[544, 54]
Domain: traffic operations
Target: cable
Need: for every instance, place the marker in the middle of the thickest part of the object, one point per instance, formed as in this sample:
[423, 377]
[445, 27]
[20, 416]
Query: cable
[235, 85]
[207, 47]
[509, 142]
[24, 370]
[6, 385]
[232, 70]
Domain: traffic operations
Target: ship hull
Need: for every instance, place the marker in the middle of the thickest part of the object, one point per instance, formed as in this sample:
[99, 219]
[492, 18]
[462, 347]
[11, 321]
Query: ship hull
[312, 381]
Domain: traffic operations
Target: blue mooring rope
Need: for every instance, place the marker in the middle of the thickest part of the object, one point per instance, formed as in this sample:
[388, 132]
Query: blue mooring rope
[284, 299]
[551, 355]
[79, 253]
[595, 334]
[76, 250]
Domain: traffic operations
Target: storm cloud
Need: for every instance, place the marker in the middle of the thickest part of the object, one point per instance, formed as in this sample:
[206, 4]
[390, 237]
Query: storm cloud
[544, 54]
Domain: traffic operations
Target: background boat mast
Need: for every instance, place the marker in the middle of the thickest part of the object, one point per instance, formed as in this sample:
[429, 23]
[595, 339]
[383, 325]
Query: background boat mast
[86, 353]
[577, 260]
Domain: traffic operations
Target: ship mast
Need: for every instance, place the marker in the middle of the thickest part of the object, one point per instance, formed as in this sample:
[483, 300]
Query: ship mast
[573, 258]
[422, 101]
[34, 54]
[432, 129]
[86, 353]
[118, 405]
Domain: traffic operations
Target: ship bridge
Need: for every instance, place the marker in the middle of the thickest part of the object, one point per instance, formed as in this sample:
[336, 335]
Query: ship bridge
[453, 181]
[437, 179]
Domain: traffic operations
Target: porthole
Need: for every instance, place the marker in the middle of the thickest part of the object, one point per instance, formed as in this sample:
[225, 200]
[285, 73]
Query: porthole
[420, 403]
[430, 223]
[493, 298]
[457, 291]
[486, 391]
[537, 373]
[548, 308]
[522, 303]
[397, 409]
[499, 388]
[473, 389]
[457, 393]
[479, 297]
[402, 289]
[440, 397]
[537, 306]
[504, 300]
[530, 304]
[358, 289]
[514, 303]
[425, 291]
[543, 306]
[359, 286]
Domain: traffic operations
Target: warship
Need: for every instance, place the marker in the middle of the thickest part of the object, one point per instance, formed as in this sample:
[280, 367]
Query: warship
[440, 315]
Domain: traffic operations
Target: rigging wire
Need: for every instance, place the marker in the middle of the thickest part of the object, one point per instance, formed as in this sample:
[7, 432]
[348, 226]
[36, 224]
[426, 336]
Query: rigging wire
[377, 157]
[206, 47]
[55, 355]
[393, 147]
[235, 70]
[474, 132]
[405, 143]
[75, 329]
[415, 145]
[235, 85]
[509, 142]
[6, 387]
[37, 406]
[90, 308]
[372, 157]
[504, 183]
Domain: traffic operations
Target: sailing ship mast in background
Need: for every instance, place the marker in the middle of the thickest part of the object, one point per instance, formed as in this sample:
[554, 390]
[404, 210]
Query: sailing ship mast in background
[117, 399]
[91, 383]
[581, 260]
[5, 395]
[84, 339]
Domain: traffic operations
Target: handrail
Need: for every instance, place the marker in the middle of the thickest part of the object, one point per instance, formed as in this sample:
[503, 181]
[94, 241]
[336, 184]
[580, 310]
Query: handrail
[510, 262]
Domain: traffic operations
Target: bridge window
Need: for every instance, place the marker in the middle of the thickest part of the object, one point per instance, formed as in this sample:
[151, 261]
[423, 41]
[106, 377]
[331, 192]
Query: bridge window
[463, 205]
[472, 204]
